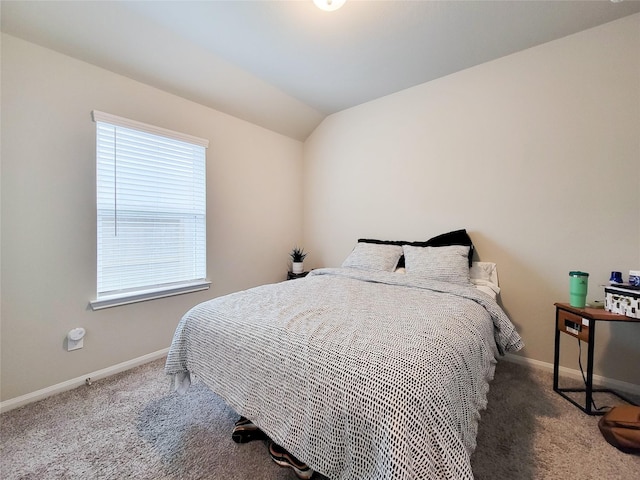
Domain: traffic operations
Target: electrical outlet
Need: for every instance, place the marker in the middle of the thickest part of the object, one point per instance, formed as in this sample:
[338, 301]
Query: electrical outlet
[75, 339]
[74, 345]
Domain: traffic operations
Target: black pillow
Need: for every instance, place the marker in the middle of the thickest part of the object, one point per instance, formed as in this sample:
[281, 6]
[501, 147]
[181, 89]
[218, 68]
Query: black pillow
[456, 237]
[383, 242]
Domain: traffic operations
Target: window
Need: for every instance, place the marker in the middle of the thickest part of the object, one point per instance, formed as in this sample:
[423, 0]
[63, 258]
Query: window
[151, 212]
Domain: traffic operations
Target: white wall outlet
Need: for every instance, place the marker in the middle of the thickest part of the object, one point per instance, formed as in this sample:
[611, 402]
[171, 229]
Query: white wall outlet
[75, 339]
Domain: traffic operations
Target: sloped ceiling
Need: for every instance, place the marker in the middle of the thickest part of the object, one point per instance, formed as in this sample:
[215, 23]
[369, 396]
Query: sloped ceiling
[286, 65]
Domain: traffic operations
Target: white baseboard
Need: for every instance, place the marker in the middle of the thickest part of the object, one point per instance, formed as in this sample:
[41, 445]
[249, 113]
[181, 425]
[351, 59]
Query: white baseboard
[572, 373]
[121, 367]
[78, 381]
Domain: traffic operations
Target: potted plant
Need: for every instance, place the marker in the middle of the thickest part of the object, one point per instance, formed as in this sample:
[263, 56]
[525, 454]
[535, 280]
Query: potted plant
[297, 257]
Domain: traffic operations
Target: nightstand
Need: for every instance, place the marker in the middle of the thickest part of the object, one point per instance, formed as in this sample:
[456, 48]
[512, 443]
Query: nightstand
[581, 323]
[293, 276]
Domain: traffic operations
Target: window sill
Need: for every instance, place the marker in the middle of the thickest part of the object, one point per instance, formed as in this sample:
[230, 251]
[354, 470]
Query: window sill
[108, 301]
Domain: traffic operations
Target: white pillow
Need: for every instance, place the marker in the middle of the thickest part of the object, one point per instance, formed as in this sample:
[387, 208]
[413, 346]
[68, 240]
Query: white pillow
[484, 272]
[446, 264]
[374, 256]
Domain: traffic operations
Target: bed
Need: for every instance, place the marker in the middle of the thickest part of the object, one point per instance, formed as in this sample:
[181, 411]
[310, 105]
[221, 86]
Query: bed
[366, 371]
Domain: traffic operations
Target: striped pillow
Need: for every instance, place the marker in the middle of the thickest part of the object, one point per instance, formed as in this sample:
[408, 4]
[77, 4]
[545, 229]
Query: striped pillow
[371, 256]
[446, 264]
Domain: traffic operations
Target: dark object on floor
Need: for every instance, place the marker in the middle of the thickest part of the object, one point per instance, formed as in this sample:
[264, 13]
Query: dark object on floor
[620, 426]
[285, 459]
[245, 431]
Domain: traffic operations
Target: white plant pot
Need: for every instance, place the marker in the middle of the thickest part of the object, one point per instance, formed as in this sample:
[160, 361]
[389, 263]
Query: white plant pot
[296, 267]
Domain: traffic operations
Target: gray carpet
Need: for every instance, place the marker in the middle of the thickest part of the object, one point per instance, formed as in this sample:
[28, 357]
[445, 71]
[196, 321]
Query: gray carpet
[131, 426]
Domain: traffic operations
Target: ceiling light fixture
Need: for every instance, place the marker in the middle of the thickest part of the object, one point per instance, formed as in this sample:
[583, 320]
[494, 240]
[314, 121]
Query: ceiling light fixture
[329, 5]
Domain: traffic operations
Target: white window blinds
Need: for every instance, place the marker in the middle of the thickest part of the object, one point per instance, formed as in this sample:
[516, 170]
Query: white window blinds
[151, 211]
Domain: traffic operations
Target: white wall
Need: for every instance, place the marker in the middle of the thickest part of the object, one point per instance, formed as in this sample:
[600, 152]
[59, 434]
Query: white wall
[254, 214]
[536, 154]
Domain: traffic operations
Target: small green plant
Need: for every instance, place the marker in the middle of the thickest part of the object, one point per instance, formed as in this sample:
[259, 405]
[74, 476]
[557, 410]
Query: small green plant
[297, 254]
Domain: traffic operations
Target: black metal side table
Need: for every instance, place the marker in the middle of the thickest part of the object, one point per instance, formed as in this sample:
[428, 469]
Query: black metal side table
[581, 323]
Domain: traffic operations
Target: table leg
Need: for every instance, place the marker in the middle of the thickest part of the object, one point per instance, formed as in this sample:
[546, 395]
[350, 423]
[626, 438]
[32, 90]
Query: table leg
[589, 388]
[556, 354]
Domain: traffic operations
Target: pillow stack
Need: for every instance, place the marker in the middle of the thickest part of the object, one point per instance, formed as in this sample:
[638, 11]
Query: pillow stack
[446, 257]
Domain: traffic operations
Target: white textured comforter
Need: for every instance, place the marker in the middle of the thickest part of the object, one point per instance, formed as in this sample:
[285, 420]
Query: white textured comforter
[361, 375]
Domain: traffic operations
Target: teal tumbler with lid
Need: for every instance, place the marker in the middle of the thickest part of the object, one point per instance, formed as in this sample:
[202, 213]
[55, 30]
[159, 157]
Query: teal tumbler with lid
[578, 285]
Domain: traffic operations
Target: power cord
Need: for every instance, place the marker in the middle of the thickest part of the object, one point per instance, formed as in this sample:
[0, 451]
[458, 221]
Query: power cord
[584, 378]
